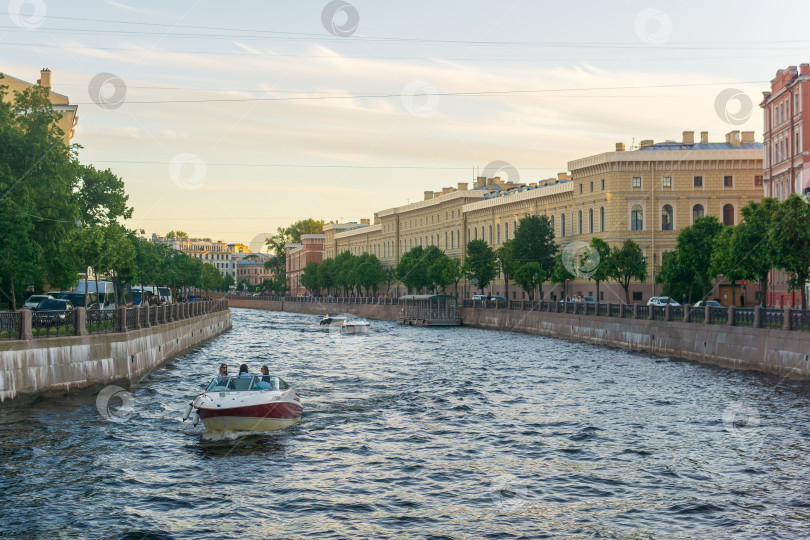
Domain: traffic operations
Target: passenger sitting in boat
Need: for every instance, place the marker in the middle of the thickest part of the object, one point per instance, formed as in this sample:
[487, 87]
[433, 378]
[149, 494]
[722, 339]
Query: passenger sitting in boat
[223, 370]
[266, 383]
[243, 371]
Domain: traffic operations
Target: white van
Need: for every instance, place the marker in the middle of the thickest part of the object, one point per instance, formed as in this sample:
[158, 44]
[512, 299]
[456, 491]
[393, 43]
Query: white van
[164, 293]
[105, 292]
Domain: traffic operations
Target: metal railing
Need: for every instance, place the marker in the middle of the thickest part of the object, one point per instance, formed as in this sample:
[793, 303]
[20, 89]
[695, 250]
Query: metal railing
[771, 318]
[658, 313]
[744, 317]
[10, 324]
[800, 320]
[102, 321]
[697, 314]
[718, 315]
[52, 323]
[131, 321]
[643, 312]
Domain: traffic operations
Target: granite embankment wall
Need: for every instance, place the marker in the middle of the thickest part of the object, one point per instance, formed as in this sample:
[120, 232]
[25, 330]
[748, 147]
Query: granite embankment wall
[782, 352]
[30, 367]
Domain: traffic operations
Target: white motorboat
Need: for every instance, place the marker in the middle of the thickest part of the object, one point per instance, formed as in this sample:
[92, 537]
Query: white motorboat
[336, 319]
[247, 403]
[355, 325]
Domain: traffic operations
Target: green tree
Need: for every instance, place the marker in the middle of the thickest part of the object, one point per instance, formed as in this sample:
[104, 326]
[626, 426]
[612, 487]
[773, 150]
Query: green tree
[211, 277]
[791, 237]
[325, 274]
[593, 260]
[723, 261]
[370, 273]
[18, 257]
[694, 247]
[480, 263]
[674, 277]
[560, 274]
[534, 242]
[310, 278]
[627, 263]
[440, 272]
[227, 281]
[100, 196]
[390, 279]
[755, 248]
[506, 261]
[453, 273]
[529, 276]
[410, 270]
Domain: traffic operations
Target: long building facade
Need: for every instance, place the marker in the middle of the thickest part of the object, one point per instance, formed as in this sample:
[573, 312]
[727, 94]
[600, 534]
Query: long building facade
[647, 194]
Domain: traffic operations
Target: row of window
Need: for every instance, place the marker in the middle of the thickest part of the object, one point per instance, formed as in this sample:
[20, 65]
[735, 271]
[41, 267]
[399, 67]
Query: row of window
[434, 219]
[601, 181]
[697, 181]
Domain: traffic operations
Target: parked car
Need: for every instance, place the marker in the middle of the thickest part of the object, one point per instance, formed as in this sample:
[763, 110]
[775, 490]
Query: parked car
[589, 299]
[53, 310]
[479, 297]
[77, 299]
[35, 299]
[662, 301]
[710, 303]
[498, 297]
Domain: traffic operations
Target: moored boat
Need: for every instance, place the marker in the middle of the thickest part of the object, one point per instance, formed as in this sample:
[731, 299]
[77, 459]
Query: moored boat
[248, 403]
[355, 325]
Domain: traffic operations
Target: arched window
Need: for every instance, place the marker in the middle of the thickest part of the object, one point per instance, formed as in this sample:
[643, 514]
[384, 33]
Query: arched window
[590, 219]
[484, 234]
[728, 215]
[476, 233]
[506, 230]
[667, 218]
[579, 222]
[445, 240]
[498, 233]
[490, 235]
[602, 219]
[562, 224]
[697, 211]
[636, 218]
[552, 224]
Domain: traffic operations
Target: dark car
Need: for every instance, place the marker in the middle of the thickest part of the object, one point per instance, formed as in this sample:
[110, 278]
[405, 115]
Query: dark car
[589, 299]
[77, 299]
[51, 312]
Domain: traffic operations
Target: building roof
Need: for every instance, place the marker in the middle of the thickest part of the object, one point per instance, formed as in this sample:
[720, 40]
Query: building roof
[673, 146]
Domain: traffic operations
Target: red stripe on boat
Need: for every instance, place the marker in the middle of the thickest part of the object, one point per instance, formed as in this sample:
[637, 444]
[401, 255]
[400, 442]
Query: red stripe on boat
[267, 410]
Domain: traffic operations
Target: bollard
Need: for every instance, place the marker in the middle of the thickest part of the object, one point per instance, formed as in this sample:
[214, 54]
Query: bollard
[635, 311]
[667, 313]
[687, 313]
[80, 321]
[122, 319]
[26, 322]
[757, 316]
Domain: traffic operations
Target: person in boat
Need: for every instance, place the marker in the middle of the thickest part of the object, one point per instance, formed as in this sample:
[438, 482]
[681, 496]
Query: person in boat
[243, 371]
[266, 383]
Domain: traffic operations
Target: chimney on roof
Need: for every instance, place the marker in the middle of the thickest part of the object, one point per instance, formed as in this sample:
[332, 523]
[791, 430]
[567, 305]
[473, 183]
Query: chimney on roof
[563, 176]
[646, 142]
[620, 147]
[462, 186]
[747, 136]
[45, 78]
[688, 137]
[447, 190]
[704, 137]
[365, 222]
[428, 195]
[733, 137]
[481, 181]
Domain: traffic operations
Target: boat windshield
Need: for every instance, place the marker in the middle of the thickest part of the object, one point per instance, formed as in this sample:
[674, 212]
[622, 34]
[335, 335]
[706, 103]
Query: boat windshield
[242, 384]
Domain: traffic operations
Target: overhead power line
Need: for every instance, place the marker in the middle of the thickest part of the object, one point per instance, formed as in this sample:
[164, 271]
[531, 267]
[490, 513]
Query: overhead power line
[398, 95]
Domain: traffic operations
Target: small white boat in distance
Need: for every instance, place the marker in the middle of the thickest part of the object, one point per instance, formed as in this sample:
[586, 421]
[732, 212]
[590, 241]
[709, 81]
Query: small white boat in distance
[254, 403]
[355, 325]
[334, 320]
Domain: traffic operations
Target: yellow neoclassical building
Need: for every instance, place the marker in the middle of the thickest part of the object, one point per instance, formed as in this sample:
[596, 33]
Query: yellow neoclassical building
[647, 194]
[61, 103]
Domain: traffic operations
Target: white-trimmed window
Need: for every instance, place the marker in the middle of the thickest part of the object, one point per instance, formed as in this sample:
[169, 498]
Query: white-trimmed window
[636, 218]
[666, 182]
[636, 182]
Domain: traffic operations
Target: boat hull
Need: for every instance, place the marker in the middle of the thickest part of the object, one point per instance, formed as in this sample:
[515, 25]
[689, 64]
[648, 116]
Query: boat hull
[250, 411]
[354, 330]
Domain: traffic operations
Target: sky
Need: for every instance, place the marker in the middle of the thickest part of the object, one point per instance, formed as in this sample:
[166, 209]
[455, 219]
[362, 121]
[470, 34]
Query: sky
[230, 119]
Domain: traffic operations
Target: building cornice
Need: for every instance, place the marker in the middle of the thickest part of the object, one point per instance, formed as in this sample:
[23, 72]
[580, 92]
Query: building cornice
[526, 195]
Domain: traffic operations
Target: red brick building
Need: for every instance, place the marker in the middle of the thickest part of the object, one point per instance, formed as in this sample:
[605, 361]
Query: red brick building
[310, 249]
[786, 153]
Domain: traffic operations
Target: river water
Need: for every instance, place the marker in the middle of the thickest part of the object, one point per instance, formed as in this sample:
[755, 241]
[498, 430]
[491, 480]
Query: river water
[441, 433]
